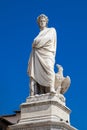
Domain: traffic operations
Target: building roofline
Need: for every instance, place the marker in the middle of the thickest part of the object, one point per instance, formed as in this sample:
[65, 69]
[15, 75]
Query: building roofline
[8, 122]
[17, 111]
[9, 115]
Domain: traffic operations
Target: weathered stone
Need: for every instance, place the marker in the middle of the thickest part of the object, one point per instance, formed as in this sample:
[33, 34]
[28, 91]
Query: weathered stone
[44, 112]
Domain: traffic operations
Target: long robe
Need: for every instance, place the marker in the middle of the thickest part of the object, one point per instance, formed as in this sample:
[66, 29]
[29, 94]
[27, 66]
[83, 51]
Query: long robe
[42, 58]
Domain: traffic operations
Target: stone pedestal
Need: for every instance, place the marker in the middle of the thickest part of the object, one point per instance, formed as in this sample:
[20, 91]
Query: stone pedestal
[44, 112]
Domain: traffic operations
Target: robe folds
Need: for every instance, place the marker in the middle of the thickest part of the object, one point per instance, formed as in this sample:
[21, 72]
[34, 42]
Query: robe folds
[42, 58]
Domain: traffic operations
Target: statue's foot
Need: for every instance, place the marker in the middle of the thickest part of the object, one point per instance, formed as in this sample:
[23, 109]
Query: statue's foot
[52, 90]
[32, 94]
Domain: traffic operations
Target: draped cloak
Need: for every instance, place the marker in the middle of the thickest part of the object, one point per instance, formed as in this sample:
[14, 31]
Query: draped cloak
[42, 58]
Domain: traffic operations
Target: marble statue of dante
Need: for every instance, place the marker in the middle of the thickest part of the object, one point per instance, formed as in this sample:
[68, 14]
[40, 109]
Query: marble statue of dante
[42, 58]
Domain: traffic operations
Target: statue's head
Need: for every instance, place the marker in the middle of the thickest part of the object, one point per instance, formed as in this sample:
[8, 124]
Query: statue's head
[42, 20]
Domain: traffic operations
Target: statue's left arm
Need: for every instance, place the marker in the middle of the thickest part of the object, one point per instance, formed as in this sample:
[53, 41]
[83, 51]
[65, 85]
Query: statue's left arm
[44, 39]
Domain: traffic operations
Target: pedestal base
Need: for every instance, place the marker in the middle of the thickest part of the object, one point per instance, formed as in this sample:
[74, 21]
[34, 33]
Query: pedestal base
[44, 112]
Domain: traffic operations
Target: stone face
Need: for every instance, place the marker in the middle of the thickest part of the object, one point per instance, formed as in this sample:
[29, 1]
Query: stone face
[44, 112]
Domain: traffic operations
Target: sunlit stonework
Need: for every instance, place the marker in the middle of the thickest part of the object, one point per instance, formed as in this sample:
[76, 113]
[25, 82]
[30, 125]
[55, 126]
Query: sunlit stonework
[45, 108]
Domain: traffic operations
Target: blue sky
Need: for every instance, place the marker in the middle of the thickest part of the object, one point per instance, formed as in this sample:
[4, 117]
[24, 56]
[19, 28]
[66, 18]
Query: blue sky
[18, 28]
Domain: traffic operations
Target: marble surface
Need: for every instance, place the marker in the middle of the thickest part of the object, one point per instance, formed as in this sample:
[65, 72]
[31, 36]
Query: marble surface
[44, 112]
